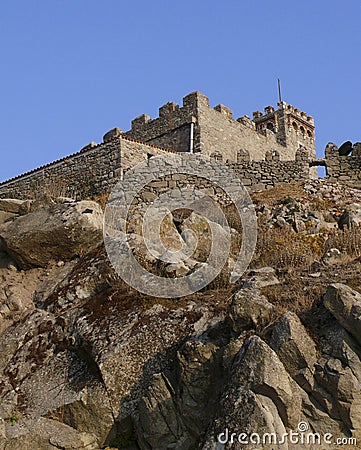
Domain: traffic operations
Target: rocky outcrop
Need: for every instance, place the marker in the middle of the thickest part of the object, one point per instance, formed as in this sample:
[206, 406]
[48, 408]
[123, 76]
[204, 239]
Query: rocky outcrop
[87, 362]
[259, 370]
[87, 354]
[51, 434]
[297, 351]
[55, 232]
[345, 304]
[92, 365]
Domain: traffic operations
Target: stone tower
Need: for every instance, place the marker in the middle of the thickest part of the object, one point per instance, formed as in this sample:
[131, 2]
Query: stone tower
[292, 127]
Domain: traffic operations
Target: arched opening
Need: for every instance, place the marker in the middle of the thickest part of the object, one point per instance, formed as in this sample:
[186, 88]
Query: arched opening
[309, 133]
[271, 127]
[295, 126]
[302, 129]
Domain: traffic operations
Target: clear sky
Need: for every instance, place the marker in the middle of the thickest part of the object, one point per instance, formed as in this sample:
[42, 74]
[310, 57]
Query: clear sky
[73, 69]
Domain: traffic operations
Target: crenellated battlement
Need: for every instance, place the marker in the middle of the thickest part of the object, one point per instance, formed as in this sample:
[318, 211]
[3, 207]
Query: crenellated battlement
[296, 112]
[197, 126]
[275, 146]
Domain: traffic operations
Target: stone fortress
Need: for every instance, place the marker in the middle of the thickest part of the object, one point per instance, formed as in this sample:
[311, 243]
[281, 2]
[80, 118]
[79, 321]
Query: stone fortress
[274, 147]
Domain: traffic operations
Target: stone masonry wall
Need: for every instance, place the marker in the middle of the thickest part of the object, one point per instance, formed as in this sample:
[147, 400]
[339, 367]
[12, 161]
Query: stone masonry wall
[220, 131]
[96, 169]
[215, 130]
[171, 129]
[259, 175]
[92, 171]
[255, 175]
[82, 174]
[134, 152]
[345, 169]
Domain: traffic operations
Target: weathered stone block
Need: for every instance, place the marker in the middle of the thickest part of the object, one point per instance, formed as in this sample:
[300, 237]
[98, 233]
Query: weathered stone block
[112, 134]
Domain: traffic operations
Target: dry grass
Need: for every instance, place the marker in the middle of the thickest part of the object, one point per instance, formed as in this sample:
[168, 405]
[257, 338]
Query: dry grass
[293, 294]
[101, 199]
[282, 248]
[317, 203]
[348, 241]
[274, 196]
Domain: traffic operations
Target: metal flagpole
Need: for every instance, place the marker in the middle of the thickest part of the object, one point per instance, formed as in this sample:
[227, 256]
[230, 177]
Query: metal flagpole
[279, 90]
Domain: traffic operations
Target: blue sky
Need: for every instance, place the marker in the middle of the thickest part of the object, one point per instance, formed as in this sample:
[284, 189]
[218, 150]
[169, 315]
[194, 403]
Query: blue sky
[72, 70]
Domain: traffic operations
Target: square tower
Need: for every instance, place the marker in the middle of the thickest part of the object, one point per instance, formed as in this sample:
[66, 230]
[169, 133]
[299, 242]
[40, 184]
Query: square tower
[293, 128]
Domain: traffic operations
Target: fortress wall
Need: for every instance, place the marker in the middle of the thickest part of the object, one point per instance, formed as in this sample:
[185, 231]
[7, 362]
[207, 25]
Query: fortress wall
[178, 138]
[95, 170]
[257, 175]
[214, 129]
[220, 131]
[82, 174]
[171, 129]
[90, 172]
[345, 169]
[134, 152]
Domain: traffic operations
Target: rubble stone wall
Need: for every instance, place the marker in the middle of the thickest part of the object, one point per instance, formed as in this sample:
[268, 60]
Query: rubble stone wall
[345, 169]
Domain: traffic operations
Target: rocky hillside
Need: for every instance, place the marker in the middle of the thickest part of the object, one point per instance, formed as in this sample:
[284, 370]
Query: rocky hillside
[89, 363]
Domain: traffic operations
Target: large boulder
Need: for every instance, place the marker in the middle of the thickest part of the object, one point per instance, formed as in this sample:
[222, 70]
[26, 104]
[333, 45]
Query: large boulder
[260, 397]
[15, 206]
[339, 392]
[159, 420]
[345, 305]
[55, 232]
[250, 309]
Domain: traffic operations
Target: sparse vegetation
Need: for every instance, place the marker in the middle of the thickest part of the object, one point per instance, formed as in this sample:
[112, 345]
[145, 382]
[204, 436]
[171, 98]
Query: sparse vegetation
[348, 241]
